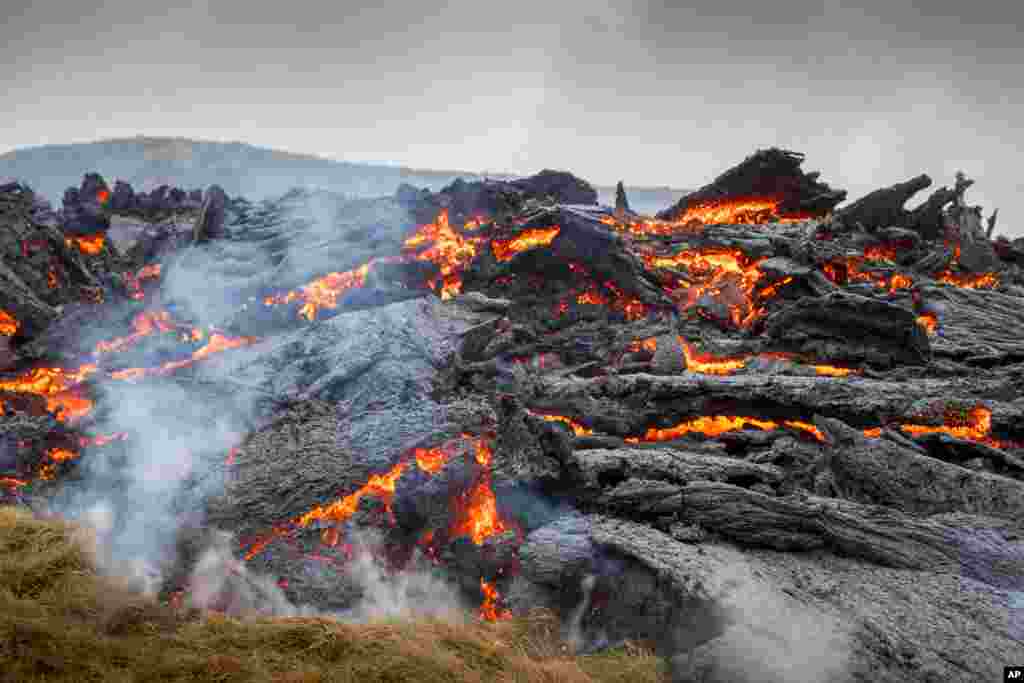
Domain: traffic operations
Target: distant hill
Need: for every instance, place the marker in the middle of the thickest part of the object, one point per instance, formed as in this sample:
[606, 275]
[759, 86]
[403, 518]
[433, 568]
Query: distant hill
[241, 169]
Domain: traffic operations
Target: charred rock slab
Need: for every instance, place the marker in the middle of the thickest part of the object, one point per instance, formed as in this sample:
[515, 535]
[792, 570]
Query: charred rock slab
[872, 327]
[210, 222]
[884, 207]
[881, 472]
[770, 173]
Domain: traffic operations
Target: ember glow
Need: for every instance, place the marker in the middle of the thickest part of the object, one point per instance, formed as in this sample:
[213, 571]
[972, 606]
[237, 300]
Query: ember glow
[475, 511]
[739, 210]
[851, 269]
[322, 292]
[708, 364]
[969, 280]
[102, 196]
[929, 321]
[449, 250]
[504, 250]
[87, 244]
[489, 610]
[8, 324]
[216, 343]
[974, 424]
[726, 274]
[716, 425]
[58, 386]
[144, 324]
[12, 483]
[133, 282]
[576, 427]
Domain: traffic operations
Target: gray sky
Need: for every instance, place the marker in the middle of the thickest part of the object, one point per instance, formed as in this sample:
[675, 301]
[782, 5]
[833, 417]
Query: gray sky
[649, 92]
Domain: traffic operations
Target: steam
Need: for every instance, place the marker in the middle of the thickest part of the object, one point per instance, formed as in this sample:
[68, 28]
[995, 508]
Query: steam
[771, 638]
[139, 496]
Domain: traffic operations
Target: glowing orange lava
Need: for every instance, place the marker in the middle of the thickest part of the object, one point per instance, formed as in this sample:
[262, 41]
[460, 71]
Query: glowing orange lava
[970, 425]
[322, 292]
[832, 370]
[650, 345]
[576, 427]
[102, 195]
[145, 324]
[133, 282]
[8, 324]
[716, 425]
[13, 483]
[727, 274]
[449, 250]
[708, 364]
[739, 210]
[58, 387]
[87, 244]
[489, 610]
[851, 269]
[430, 460]
[504, 250]
[929, 321]
[969, 280]
[216, 343]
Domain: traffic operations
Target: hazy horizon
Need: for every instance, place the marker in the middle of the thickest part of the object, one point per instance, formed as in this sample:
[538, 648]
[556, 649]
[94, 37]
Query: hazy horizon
[650, 93]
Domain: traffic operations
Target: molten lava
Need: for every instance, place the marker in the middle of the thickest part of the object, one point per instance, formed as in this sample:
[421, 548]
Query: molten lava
[449, 250]
[576, 427]
[379, 486]
[58, 386]
[216, 344]
[144, 324]
[489, 610]
[87, 244]
[323, 292]
[475, 511]
[708, 364]
[740, 210]
[970, 425]
[716, 425]
[102, 196]
[504, 250]
[133, 282]
[969, 280]
[929, 321]
[850, 269]
[8, 324]
[725, 273]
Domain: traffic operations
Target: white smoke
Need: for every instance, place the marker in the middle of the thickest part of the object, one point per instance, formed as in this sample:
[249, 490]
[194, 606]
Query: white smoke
[771, 638]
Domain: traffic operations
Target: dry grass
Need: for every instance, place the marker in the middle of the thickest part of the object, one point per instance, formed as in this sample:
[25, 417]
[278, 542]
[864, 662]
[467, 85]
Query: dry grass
[59, 621]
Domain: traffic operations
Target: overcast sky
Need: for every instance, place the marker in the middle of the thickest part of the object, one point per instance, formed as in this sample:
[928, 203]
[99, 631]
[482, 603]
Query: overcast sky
[648, 92]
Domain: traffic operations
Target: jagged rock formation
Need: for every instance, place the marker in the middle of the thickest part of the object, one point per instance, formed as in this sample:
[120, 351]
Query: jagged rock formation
[793, 447]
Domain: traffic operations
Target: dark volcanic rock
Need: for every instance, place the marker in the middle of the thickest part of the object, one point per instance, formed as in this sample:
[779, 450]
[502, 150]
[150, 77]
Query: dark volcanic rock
[768, 173]
[868, 327]
[561, 186]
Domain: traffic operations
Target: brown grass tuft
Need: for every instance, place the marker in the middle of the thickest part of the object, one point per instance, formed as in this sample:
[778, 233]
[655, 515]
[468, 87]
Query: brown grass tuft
[61, 622]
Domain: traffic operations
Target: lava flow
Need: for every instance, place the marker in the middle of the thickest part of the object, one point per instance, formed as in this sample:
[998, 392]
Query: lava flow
[474, 511]
[489, 610]
[133, 282]
[966, 280]
[722, 272]
[449, 250]
[87, 244]
[8, 324]
[716, 425]
[322, 292]
[736, 211]
[504, 250]
[969, 425]
[850, 270]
